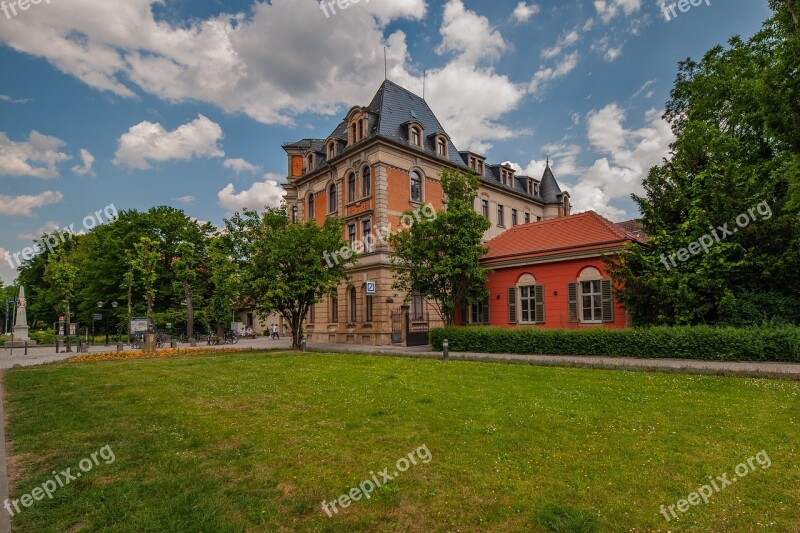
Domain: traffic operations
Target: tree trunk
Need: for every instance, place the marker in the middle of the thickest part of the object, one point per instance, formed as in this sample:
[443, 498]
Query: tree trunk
[187, 292]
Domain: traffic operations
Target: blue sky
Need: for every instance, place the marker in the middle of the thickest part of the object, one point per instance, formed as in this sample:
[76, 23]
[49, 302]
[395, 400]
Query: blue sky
[138, 103]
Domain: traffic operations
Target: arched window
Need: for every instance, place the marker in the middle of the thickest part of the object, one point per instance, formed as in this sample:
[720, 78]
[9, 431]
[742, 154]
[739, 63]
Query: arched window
[353, 300]
[366, 182]
[294, 214]
[311, 207]
[351, 187]
[590, 291]
[310, 163]
[332, 203]
[441, 147]
[360, 129]
[353, 133]
[331, 150]
[416, 186]
[416, 137]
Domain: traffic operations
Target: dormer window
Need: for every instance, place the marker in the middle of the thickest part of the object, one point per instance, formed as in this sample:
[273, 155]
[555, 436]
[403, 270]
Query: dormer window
[441, 146]
[533, 188]
[480, 167]
[331, 150]
[416, 136]
[309, 162]
[353, 131]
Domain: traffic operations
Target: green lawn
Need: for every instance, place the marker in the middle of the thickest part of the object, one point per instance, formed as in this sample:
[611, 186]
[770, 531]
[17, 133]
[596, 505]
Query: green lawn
[256, 442]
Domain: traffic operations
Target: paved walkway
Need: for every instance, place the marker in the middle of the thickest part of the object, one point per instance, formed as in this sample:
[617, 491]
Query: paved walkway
[47, 354]
[687, 366]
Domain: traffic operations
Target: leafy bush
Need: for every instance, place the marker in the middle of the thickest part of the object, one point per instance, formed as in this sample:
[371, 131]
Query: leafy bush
[698, 342]
[45, 336]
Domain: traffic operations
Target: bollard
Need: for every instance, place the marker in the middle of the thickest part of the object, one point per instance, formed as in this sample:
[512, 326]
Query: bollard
[446, 349]
[173, 343]
[56, 345]
[303, 344]
[119, 346]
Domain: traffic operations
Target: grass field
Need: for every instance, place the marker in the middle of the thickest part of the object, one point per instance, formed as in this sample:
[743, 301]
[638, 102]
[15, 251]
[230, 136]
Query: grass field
[255, 442]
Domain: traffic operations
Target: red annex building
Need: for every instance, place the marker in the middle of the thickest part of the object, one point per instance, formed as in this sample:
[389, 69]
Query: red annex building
[550, 274]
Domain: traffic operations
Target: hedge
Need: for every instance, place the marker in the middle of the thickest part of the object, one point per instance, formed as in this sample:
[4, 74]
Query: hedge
[698, 342]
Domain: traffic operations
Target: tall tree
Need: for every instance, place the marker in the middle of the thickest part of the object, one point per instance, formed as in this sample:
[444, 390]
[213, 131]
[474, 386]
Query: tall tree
[439, 257]
[145, 263]
[61, 276]
[283, 264]
[735, 116]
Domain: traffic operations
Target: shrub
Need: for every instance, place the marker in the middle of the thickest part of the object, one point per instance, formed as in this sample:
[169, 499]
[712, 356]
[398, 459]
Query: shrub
[45, 336]
[689, 342]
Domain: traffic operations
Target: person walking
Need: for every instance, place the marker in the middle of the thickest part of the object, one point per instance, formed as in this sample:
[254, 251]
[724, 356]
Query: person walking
[275, 332]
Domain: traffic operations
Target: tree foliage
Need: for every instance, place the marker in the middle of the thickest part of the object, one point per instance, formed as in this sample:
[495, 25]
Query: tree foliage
[439, 256]
[736, 118]
[283, 263]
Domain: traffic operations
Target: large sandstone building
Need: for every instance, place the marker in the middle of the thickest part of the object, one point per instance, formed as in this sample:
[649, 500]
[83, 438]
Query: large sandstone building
[381, 161]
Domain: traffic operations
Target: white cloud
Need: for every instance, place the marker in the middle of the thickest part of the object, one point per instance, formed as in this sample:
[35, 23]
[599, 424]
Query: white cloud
[8, 267]
[37, 157]
[239, 165]
[47, 227]
[646, 84]
[25, 204]
[608, 9]
[469, 35]
[545, 75]
[629, 156]
[147, 141]
[607, 50]
[271, 62]
[185, 199]
[523, 12]
[566, 40]
[88, 162]
[6, 98]
[267, 193]
[486, 94]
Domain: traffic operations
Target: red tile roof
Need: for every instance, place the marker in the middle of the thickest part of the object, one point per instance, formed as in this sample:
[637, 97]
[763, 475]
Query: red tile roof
[575, 233]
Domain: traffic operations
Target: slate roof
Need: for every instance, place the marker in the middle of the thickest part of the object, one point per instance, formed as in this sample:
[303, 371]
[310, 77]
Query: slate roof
[581, 232]
[392, 109]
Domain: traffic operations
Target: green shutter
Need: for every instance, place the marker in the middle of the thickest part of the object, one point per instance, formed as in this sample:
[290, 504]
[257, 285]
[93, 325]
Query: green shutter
[539, 304]
[512, 305]
[464, 316]
[608, 301]
[572, 295]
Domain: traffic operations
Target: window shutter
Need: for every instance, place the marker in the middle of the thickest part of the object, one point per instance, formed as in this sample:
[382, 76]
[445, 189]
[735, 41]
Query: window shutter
[608, 301]
[539, 303]
[512, 305]
[464, 318]
[572, 295]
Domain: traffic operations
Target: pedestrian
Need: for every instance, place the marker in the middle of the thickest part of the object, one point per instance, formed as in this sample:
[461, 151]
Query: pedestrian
[275, 332]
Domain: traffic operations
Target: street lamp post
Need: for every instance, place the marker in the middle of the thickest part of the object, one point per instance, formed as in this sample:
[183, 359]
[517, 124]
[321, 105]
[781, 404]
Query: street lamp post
[100, 305]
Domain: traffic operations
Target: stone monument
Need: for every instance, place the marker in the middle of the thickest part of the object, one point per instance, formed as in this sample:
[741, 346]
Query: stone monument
[21, 322]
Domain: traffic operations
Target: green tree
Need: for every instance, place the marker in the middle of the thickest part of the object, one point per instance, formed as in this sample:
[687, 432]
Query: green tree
[735, 116]
[283, 265]
[439, 257]
[145, 263]
[225, 278]
[61, 276]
